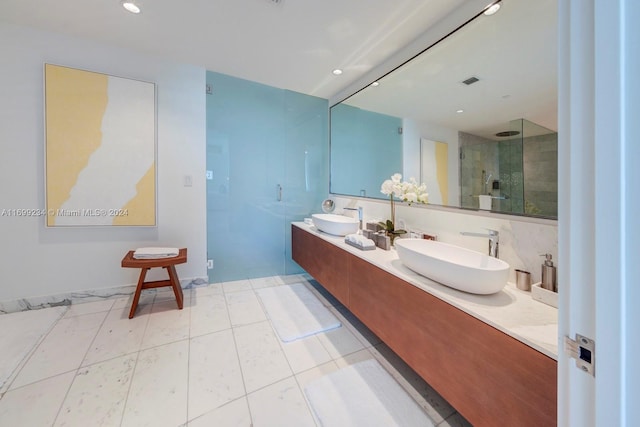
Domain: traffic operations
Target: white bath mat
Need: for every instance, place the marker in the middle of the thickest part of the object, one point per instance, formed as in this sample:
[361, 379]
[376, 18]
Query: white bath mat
[363, 394]
[296, 312]
[19, 333]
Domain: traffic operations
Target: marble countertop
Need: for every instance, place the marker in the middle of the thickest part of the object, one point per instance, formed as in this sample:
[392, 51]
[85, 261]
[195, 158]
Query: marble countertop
[511, 310]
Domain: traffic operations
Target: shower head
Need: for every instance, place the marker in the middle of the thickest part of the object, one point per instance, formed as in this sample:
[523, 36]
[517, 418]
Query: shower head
[487, 180]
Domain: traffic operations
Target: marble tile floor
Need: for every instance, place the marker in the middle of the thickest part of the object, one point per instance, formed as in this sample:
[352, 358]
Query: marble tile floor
[217, 362]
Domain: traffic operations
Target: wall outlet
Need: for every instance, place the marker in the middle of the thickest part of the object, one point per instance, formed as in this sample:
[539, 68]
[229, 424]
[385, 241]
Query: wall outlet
[209, 264]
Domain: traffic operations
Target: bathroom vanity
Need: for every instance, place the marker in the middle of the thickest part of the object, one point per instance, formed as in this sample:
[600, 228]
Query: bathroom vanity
[493, 357]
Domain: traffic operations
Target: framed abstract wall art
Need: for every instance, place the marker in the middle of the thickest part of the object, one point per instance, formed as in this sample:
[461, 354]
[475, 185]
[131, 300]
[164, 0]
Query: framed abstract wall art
[100, 149]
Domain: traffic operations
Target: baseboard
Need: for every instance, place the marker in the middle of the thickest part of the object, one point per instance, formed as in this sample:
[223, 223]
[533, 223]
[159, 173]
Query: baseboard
[69, 298]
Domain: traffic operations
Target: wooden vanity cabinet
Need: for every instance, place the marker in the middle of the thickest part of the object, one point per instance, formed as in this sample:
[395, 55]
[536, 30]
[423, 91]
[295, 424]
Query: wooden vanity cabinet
[327, 264]
[491, 378]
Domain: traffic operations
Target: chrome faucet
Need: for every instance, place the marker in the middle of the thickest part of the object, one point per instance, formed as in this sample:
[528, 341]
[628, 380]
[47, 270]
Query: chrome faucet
[494, 240]
[360, 212]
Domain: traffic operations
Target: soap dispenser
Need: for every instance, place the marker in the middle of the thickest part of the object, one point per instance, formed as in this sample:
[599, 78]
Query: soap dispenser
[549, 274]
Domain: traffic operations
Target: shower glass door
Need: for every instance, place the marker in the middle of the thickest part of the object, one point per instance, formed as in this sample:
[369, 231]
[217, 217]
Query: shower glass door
[266, 167]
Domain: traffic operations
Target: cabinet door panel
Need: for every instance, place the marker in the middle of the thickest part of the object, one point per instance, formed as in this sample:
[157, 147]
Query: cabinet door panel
[488, 376]
[327, 263]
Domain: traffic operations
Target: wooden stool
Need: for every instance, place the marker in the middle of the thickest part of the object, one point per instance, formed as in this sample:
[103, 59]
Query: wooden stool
[147, 264]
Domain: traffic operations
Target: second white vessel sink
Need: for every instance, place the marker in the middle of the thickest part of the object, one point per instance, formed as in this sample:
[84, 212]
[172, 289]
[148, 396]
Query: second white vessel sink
[338, 225]
[453, 266]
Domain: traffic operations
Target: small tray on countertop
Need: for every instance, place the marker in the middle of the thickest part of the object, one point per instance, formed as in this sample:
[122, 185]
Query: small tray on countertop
[371, 248]
[543, 295]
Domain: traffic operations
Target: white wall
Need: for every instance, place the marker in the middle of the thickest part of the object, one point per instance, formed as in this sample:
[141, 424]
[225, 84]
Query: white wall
[522, 240]
[37, 261]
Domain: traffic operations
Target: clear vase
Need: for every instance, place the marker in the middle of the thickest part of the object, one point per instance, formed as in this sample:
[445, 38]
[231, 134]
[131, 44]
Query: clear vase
[392, 236]
[393, 210]
[391, 225]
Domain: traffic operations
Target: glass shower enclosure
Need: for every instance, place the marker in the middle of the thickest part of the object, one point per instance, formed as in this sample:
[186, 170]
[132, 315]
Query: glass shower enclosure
[517, 168]
[266, 167]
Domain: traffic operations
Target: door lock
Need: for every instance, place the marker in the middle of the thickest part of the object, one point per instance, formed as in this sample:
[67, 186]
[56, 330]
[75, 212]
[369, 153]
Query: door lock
[582, 349]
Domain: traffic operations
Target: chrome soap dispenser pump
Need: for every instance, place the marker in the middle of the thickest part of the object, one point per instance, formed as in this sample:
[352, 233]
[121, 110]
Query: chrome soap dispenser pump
[549, 274]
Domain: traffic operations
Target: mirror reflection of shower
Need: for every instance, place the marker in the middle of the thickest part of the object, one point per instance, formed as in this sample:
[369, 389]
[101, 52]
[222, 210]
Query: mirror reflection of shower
[517, 166]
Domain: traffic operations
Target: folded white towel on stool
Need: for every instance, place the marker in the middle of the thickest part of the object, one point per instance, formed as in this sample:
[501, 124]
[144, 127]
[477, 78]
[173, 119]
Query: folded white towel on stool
[155, 253]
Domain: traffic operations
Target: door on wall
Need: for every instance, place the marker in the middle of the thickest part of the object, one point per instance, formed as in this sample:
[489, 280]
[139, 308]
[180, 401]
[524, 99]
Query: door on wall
[266, 167]
[599, 234]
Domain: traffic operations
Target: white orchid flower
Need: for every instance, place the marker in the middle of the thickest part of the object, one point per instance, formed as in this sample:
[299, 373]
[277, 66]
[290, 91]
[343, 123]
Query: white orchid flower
[387, 187]
[410, 197]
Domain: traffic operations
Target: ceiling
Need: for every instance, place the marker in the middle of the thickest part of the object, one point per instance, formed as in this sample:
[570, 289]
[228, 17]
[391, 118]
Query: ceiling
[513, 54]
[290, 44]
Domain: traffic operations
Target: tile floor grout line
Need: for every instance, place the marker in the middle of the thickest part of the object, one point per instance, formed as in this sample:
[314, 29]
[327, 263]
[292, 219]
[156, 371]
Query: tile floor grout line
[295, 378]
[292, 376]
[94, 338]
[366, 347]
[66, 394]
[126, 399]
[41, 379]
[135, 365]
[186, 422]
[352, 328]
[219, 407]
[104, 319]
[27, 358]
[235, 345]
[306, 400]
[362, 337]
[281, 344]
[137, 353]
[343, 324]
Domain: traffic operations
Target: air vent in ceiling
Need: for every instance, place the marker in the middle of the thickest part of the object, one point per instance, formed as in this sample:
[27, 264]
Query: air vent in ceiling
[470, 80]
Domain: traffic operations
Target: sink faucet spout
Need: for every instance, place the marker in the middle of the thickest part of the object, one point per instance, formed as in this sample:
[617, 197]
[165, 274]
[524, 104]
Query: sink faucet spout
[494, 240]
[360, 213]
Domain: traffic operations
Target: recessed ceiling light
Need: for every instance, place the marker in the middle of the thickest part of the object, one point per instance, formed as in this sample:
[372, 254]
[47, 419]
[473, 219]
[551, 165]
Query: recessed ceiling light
[491, 9]
[131, 6]
[337, 71]
[374, 84]
[507, 133]
[460, 111]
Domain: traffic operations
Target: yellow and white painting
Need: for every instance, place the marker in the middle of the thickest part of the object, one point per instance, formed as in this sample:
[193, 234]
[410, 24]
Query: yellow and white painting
[434, 170]
[100, 149]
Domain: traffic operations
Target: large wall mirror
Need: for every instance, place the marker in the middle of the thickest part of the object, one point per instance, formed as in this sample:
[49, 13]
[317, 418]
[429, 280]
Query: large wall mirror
[473, 116]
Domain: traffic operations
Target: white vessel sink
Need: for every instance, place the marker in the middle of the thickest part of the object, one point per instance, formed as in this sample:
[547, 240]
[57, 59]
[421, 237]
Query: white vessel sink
[337, 225]
[453, 266]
